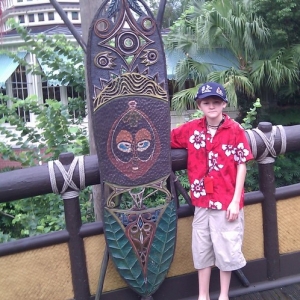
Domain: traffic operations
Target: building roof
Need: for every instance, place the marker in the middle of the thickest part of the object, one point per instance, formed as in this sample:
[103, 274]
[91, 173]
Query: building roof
[46, 29]
[8, 66]
[220, 59]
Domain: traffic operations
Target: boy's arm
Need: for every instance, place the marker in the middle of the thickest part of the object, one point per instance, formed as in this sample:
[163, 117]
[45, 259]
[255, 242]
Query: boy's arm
[234, 206]
[178, 139]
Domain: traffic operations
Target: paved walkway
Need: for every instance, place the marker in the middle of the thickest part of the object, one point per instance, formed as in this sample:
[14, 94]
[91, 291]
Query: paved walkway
[285, 292]
[290, 292]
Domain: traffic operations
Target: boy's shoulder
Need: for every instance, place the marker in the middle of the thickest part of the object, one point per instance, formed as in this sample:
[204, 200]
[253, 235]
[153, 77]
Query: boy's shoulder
[194, 123]
[232, 123]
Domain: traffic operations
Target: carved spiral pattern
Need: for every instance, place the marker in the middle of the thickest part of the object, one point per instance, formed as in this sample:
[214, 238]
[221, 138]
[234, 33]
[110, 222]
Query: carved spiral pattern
[104, 60]
[101, 28]
[150, 57]
[148, 25]
[128, 43]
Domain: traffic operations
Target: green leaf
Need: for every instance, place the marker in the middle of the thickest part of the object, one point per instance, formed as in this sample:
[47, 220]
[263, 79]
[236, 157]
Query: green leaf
[162, 249]
[123, 254]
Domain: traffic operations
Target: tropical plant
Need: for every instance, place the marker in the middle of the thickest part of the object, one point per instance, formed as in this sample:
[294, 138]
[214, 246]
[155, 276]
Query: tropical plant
[56, 131]
[173, 9]
[282, 17]
[257, 69]
[251, 115]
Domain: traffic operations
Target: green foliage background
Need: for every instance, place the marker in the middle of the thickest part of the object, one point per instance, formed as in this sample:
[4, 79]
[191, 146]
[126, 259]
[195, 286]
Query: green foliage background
[55, 132]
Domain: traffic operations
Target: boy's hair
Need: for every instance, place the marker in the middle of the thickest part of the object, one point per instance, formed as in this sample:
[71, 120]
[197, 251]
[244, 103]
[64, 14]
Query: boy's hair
[209, 89]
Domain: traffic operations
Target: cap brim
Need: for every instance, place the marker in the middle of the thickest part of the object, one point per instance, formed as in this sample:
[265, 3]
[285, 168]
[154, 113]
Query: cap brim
[203, 96]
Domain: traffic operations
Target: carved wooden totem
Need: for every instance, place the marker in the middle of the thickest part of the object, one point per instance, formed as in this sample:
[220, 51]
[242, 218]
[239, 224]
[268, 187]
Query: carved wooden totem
[131, 122]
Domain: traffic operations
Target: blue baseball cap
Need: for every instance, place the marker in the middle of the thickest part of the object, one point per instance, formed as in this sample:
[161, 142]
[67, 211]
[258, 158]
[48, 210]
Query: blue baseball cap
[211, 89]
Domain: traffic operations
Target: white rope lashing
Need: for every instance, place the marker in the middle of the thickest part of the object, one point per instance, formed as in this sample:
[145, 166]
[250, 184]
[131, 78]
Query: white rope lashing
[269, 143]
[67, 175]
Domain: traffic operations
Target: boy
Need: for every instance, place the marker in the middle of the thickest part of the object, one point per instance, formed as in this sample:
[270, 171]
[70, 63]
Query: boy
[217, 152]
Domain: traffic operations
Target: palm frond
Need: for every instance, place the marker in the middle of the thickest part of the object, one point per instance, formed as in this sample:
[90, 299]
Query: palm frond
[279, 69]
[191, 69]
[234, 81]
[184, 99]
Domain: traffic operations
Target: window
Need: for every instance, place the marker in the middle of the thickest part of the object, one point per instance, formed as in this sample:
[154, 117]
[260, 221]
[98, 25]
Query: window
[20, 1]
[50, 16]
[31, 18]
[2, 102]
[19, 90]
[41, 17]
[75, 15]
[21, 19]
[50, 92]
[66, 13]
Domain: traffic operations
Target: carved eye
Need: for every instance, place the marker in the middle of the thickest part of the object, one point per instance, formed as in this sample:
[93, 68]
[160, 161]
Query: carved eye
[125, 147]
[143, 145]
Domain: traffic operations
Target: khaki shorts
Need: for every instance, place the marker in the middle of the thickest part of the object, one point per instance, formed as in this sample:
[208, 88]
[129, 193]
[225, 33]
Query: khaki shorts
[216, 241]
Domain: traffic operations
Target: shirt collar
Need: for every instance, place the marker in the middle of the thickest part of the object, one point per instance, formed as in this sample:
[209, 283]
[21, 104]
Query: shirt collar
[226, 124]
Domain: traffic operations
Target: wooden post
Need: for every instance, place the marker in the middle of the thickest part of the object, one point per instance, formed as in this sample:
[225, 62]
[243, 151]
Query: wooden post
[270, 226]
[76, 248]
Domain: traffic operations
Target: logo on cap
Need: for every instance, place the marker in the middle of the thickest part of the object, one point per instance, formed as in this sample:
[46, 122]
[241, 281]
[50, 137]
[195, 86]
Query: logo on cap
[219, 91]
[206, 89]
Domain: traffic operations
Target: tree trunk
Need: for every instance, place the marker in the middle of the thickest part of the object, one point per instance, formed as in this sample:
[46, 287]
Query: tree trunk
[87, 11]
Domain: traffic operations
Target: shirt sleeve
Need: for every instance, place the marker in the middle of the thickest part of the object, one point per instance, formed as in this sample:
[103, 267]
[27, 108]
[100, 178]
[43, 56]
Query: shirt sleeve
[179, 137]
[243, 151]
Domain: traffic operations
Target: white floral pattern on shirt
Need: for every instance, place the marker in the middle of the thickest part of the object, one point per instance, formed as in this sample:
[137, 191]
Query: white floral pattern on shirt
[215, 204]
[213, 162]
[197, 188]
[228, 149]
[198, 139]
[241, 153]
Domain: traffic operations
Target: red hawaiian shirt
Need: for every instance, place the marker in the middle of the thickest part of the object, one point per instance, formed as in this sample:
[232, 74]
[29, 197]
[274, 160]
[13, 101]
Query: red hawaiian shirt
[215, 157]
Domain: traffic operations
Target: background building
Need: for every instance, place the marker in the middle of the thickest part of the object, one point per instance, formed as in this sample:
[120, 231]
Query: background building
[39, 16]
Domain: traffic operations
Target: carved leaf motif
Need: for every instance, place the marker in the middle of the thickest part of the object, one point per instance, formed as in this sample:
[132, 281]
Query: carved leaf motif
[162, 249]
[113, 7]
[134, 5]
[123, 254]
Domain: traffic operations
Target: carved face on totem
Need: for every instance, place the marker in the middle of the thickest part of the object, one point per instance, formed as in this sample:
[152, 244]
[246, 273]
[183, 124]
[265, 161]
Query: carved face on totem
[133, 145]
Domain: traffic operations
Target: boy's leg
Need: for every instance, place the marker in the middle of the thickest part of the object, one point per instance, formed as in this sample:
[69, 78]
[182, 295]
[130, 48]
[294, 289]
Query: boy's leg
[225, 277]
[203, 254]
[204, 278]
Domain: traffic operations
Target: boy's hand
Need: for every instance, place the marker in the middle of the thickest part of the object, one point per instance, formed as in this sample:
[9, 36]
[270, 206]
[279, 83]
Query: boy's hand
[233, 209]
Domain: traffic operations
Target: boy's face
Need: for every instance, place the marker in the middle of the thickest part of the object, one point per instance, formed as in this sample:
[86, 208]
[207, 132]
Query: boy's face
[212, 106]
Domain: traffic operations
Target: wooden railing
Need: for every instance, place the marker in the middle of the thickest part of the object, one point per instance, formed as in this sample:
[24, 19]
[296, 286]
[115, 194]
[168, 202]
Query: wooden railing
[33, 181]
